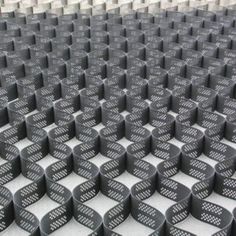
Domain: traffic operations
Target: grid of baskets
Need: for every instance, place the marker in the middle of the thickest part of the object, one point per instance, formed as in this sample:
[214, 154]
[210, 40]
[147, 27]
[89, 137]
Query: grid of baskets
[173, 72]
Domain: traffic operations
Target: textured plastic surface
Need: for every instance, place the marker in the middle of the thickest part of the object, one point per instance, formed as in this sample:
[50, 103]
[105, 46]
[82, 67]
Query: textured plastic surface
[78, 71]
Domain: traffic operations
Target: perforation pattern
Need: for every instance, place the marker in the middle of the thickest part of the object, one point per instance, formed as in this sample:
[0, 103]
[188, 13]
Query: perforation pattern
[101, 80]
